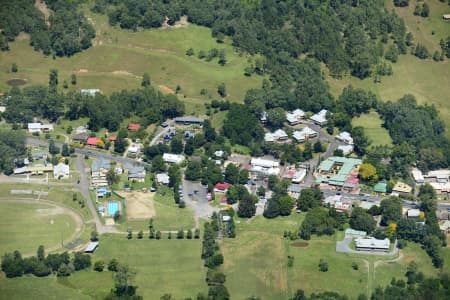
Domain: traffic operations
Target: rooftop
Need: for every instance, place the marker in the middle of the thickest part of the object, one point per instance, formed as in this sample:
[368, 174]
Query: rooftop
[372, 243]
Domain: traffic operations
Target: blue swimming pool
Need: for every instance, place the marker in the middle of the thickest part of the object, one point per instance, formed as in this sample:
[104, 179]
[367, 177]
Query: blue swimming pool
[113, 207]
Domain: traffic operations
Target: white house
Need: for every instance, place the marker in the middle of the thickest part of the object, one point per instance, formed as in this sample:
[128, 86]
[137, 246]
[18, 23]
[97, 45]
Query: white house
[265, 166]
[295, 117]
[278, 135]
[413, 213]
[162, 178]
[320, 118]
[345, 137]
[89, 92]
[34, 127]
[417, 175]
[304, 134]
[346, 149]
[372, 244]
[299, 176]
[61, 171]
[173, 158]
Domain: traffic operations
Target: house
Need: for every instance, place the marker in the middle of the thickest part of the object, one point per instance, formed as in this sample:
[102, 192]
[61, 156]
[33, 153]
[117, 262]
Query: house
[441, 188]
[445, 226]
[219, 153]
[221, 187]
[338, 203]
[413, 213]
[80, 137]
[100, 167]
[372, 244]
[80, 129]
[162, 179]
[137, 174]
[442, 215]
[440, 176]
[346, 149]
[401, 188]
[173, 158]
[90, 92]
[39, 169]
[353, 232]
[345, 137]
[264, 166]
[446, 17]
[39, 155]
[134, 126]
[34, 127]
[295, 117]
[91, 247]
[320, 118]
[134, 149]
[93, 141]
[112, 138]
[299, 175]
[189, 121]
[304, 134]
[417, 175]
[380, 187]
[278, 135]
[61, 171]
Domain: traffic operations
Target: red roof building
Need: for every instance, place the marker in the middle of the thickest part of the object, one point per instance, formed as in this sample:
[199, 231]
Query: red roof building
[134, 126]
[92, 141]
[221, 187]
[112, 138]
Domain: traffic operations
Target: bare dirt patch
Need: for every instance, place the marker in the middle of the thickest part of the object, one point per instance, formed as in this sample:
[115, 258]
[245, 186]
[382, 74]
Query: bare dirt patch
[139, 205]
[183, 22]
[299, 244]
[16, 82]
[42, 7]
[166, 89]
[83, 71]
[122, 72]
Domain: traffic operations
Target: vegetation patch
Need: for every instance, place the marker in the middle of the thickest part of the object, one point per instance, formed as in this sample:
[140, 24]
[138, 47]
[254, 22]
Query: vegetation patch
[16, 82]
[299, 244]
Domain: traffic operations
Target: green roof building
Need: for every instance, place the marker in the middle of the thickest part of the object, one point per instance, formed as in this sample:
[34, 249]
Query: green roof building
[380, 187]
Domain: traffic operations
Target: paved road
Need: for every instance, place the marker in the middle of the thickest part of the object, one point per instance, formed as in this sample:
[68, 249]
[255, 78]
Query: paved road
[83, 186]
[159, 136]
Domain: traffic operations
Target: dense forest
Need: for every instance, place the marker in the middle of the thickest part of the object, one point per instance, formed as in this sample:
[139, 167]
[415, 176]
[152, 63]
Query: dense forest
[65, 33]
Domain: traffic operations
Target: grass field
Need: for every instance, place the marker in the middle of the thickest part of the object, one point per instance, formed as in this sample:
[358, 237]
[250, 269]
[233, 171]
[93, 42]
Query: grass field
[427, 80]
[26, 226]
[164, 266]
[372, 128]
[119, 58]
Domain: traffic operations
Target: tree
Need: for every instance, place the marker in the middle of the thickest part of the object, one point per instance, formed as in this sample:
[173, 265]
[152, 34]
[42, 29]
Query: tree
[391, 210]
[129, 233]
[99, 265]
[194, 171]
[247, 206]
[113, 265]
[318, 148]
[190, 52]
[243, 176]
[176, 145]
[361, 220]
[286, 203]
[323, 265]
[123, 279]
[65, 151]
[73, 79]
[360, 140]
[140, 235]
[261, 191]
[14, 68]
[180, 234]
[145, 80]
[63, 271]
[231, 174]
[41, 253]
[94, 236]
[53, 78]
[425, 10]
[189, 234]
[222, 90]
[158, 164]
[81, 261]
[158, 235]
[309, 198]
[368, 173]
[222, 57]
[276, 117]
[112, 177]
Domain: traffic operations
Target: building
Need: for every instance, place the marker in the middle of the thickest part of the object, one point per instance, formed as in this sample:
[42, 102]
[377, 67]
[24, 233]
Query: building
[380, 188]
[136, 174]
[304, 134]
[417, 175]
[446, 17]
[173, 158]
[445, 226]
[295, 117]
[80, 137]
[162, 179]
[264, 166]
[338, 203]
[278, 135]
[341, 172]
[80, 129]
[320, 118]
[38, 127]
[221, 187]
[440, 176]
[263, 117]
[99, 168]
[134, 149]
[189, 121]
[401, 188]
[61, 171]
[219, 153]
[91, 247]
[345, 137]
[413, 213]
[134, 126]
[299, 175]
[90, 92]
[93, 141]
[372, 244]
[346, 149]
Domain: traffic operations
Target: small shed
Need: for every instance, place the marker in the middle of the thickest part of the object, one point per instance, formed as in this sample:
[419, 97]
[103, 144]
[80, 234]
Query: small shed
[91, 247]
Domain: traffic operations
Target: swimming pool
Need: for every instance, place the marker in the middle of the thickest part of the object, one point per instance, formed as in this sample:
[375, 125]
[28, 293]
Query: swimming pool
[113, 207]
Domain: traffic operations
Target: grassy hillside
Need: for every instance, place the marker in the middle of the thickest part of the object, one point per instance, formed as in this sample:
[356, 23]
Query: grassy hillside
[119, 58]
[427, 80]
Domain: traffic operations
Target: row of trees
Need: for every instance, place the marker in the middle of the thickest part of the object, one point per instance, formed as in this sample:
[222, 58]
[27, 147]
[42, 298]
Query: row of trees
[12, 148]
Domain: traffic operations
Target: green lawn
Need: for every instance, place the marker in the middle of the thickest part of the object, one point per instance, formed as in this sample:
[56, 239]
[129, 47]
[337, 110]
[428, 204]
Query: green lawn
[372, 127]
[26, 226]
[426, 79]
[164, 266]
[119, 58]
